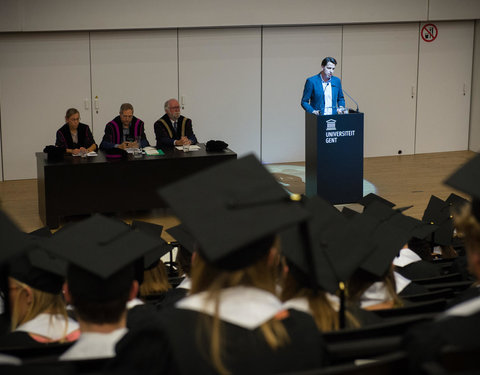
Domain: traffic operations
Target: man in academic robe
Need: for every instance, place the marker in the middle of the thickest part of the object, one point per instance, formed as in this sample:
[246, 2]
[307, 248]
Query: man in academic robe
[173, 129]
[124, 131]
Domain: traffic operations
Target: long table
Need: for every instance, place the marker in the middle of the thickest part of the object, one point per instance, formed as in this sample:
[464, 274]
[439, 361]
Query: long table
[76, 186]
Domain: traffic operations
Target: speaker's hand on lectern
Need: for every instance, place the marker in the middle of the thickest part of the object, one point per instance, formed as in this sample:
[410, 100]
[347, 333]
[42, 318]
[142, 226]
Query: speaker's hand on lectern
[316, 112]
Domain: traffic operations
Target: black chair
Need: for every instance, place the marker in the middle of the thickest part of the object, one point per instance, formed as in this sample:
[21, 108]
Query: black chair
[391, 364]
[436, 294]
[457, 286]
[77, 367]
[454, 361]
[28, 369]
[352, 350]
[391, 327]
[439, 279]
[435, 306]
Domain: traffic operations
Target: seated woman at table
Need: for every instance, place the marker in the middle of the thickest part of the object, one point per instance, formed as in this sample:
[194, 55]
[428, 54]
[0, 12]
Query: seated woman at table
[74, 136]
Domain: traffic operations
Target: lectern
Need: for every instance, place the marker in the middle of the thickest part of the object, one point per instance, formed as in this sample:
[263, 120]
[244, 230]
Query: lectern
[334, 157]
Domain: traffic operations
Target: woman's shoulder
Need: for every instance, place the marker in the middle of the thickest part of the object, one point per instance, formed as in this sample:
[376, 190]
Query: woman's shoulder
[82, 125]
[63, 128]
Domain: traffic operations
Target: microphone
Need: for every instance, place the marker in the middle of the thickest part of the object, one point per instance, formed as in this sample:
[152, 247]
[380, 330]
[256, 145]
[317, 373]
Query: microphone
[353, 100]
[325, 87]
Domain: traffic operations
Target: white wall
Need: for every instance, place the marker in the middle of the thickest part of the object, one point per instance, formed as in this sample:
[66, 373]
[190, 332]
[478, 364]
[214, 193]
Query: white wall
[232, 91]
[219, 72]
[444, 79]
[474, 140]
[380, 73]
[41, 75]
[290, 55]
[440, 10]
[137, 67]
[55, 15]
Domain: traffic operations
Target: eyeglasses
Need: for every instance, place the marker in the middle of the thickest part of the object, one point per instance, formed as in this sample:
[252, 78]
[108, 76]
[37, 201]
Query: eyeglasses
[177, 107]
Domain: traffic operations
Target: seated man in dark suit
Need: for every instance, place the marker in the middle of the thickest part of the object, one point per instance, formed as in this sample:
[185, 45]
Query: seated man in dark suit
[124, 131]
[172, 129]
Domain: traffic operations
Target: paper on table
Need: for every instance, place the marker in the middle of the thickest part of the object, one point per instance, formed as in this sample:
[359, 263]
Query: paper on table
[192, 148]
[152, 151]
[91, 153]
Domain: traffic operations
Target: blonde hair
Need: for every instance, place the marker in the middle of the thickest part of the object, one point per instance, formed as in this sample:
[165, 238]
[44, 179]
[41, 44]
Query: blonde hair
[155, 281]
[210, 279]
[42, 302]
[362, 280]
[325, 316]
[470, 229]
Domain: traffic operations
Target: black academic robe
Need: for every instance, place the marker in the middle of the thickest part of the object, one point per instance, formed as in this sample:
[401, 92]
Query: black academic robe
[18, 339]
[423, 343]
[138, 315]
[171, 297]
[166, 134]
[114, 133]
[64, 137]
[175, 347]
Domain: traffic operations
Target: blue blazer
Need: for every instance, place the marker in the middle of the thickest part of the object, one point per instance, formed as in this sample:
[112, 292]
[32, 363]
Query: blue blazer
[313, 96]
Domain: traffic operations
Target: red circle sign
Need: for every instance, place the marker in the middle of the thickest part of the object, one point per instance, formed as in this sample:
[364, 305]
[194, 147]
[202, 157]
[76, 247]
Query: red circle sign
[429, 32]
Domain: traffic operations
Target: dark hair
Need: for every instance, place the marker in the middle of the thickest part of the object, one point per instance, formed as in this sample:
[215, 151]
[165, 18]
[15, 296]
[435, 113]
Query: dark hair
[326, 60]
[71, 112]
[103, 312]
[98, 300]
[125, 107]
[422, 247]
[184, 260]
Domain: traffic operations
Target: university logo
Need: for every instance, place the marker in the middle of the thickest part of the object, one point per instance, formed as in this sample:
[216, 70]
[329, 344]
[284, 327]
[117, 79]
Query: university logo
[331, 124]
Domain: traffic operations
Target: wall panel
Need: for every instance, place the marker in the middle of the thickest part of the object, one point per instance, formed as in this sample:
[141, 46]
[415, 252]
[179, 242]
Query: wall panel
[380, 73]
[219, 72]
[474, 140]
[138, 67]
[54, 15]
[290, 56]
[41, 75]
[444, 78]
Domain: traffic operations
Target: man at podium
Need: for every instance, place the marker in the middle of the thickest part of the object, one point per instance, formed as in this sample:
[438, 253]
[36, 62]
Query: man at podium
[323, 93]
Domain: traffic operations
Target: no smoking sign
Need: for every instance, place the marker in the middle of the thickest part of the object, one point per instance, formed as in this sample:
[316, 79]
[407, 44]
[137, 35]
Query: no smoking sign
[429, 32]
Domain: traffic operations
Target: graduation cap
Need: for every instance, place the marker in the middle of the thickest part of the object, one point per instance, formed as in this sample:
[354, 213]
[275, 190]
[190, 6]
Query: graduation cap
[348, 212]
[325, 251]
[368, 199]
[423, 230]
[389, 230]
[101, 253]
[182, 236]
[42, 232]
[336, 245]
[467, 180]
[28, 262]
[40, 270]
[438, 213]
[230, 207]
[151, 259]
[14, 241]
[457, 203]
